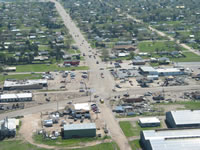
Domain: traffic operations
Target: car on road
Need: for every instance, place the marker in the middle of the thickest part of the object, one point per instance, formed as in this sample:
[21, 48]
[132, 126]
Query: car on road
[101, 101]
[97, 62]
[81, 90]
[101, 68]
[126, 95]
[118, 86]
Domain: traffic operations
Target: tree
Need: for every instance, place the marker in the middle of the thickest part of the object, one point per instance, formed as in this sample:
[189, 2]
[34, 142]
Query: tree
[105, 54]
[132, 54]
[1, 69]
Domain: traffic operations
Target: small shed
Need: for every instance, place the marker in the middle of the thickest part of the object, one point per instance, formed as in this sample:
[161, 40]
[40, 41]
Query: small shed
[149, 122]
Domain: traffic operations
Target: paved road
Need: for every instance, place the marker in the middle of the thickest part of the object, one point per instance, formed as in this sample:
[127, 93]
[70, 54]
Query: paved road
[40, 108]
[101, 86]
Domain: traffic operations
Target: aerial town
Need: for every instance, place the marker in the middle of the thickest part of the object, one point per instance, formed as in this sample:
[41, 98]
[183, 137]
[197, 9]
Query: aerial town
[99, 75]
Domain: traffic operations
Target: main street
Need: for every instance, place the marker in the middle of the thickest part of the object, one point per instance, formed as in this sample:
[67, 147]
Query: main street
[101, 86]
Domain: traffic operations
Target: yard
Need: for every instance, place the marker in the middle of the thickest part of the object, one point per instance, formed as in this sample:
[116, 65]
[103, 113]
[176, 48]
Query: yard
[130, 130]
[45, 68]
[135, 144]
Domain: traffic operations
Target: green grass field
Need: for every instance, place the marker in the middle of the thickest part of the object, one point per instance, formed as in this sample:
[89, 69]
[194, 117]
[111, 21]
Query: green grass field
[20, 76]
[151, 48]
[65, 142]
[194, 105]
[135, 144]
[45, 68]
[161, 46]
[190, 57]
[130, 130]
[17, 145]
[20, 145]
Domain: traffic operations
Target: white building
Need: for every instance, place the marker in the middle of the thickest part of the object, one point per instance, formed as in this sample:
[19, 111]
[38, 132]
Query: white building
[183, 118]
[148, 70]
[149, 122]
[169, 71]
[8, 127]
[20, 97]
[82, 106]
[24, 84]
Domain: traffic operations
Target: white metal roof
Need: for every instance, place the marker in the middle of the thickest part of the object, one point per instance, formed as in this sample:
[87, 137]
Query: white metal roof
[170, 133]
[82, 106]
[186, 116]
[168, 70]
[149, 120]
[15, 96]
[176, 144]
[80, 126]
[148, 69]
[9, 83]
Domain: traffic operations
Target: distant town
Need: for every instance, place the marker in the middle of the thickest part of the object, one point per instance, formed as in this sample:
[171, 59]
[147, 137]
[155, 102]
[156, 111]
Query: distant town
[99, 74]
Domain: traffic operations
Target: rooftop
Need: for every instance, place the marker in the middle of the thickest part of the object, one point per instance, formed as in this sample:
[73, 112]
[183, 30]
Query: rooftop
[170, 133]
[168, 70]
[176, 144]
[186, 116]
[80, 126]
[149, 120]
[82, 106]
[148, 69]
[10, 83]
[15, 96]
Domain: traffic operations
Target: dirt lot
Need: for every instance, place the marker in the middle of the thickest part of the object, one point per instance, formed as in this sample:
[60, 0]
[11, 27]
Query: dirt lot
[67, 83]
[57, 127]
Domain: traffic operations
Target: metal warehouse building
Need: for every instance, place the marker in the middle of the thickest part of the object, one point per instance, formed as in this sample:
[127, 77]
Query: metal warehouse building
[171, 139]
[79, 130]
[183, 118]
[24, 84]
[20, 97]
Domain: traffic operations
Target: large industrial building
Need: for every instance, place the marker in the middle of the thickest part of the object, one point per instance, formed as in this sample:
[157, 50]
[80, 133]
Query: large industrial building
[170, 139]
[79, 130]
[20, 97]
[24, 84]
[183, 118]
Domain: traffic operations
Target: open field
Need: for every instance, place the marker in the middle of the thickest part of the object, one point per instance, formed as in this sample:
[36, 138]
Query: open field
[45, 68]
[20, 76]
[17, 145]
[190, 57]
[188, 105]
[20, 145]
[62, 143]
[160, 46]
[130, 130]
[154, 47]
